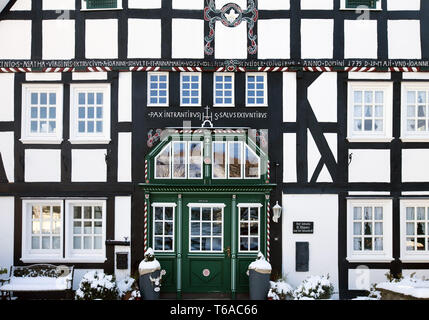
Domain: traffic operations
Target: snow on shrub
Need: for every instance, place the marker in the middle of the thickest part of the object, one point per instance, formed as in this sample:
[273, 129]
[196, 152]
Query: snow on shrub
[125, 286]
[315, 287]
[97, 285]
[280, 290]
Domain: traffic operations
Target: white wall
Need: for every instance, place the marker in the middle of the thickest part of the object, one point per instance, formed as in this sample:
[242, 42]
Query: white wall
[360, 39]
[187, 38]
[101, 38]
[317, 38]
[364, 278]
[322, 95]
[7, 149]
[403, 5]
[42, 165]
[15, 36]
[7, 212]
[59, 5]
[231, 43]
[323, 244]
[414, 165]
[125, 97]
[22, 5]
[404, 39]
[289, 96]
[188, 4]
[7, 96]
[122, 230]
[289, 157]
[317, 5]
[146, 4]
[58, 39]
[369, 166]
[89, 165]
[124, 157]
[274, 4]
[269, 44]
[144, 38]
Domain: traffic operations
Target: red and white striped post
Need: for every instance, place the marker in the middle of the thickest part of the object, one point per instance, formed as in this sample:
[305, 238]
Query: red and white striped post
[145, 222]
[268, 226]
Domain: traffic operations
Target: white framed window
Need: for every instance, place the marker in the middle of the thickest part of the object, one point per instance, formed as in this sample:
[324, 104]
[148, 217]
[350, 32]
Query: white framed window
[101, 4]
[86, 226]
[42, 229]
[163, 226]
[415, 112]
[190, 89]
[157, 89]
[370, 111]
[369, 230]
[234, 160]
[414, 230]
[223, 89]
[256, 89]
[206, 227]
[63, 230]
[90, 113]
[249, 227]
[180, 160]
[42, 113]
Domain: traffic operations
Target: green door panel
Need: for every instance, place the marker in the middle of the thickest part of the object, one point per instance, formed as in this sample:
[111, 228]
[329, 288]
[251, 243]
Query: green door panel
[242, 277]
[169, 280]
[207, 275]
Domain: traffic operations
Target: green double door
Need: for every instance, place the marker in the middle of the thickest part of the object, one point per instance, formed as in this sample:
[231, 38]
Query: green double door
[206, 246]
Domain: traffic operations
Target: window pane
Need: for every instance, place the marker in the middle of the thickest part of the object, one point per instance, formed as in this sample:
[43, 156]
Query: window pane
[77, 243]
[56, 242]
[77, 227]
[98, 213]
[378, 244]
[163, 163]
[235, 160]
[217, 214]
[158, 213]
[195, 244]
[357, 213]
[195, 228]
[410, 213]
[87, 242]
[46, 242]
[179, 160]
[217, 244]
[97, 242]
[254, 244]
[206, 214]
[357, 228]
[168, 213]
[244, 229]
[367, 244]
[219, 159]
[158, 243]
[35, 242]
[168, 243]
[251, 164]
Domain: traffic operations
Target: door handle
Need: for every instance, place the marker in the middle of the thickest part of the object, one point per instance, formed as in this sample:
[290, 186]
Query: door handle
[228, 252]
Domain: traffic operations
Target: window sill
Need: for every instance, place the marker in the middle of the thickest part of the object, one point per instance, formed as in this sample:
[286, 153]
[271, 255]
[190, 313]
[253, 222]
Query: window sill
[224, 106]
[415, 259]
[415, 139]
[41, 259]
[89, 141]
[158, 105]
[41, 141]
[370, 259]
[369, 139]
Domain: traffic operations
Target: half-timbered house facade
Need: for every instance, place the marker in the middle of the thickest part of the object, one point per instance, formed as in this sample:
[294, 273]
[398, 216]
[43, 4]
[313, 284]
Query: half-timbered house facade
[180, 125]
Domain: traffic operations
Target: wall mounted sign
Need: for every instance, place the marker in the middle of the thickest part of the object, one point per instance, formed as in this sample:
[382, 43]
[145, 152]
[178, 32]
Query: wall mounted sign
[302, 227]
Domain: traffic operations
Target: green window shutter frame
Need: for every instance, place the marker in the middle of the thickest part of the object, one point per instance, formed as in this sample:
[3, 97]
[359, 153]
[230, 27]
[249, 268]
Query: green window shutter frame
[371, 4]
[101, 4]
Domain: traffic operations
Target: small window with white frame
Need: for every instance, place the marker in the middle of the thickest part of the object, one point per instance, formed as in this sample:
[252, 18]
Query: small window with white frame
[190, 89]
[157, 89]
[163, 226]
[249, 227]
[101, 4]
[370, 111]
[223, 89]
[256, 89]
[86, 223]
[370, 230]
[90, 113]
[415, 112]
[42, 231]
[42, 109]
[414, 230]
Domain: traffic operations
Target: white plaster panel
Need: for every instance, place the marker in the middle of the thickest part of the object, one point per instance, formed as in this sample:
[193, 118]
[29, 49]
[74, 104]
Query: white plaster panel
[146, 4]
[241, 3]
[313, 155]
[78, 275]
[101, 38]
[7, 213]
[89, 165]
[317, 4]
[15, 36]
[415, 75]
[370, 75]
[369, 166]
[418, 273]
[7, 96]
[59, 5]
[324, 175]
[89, 75]
[322, 95]
[231, 43]
[188, 4]
[332, 140]
[414, 165]
[403, 5]
[21, 5]
[270, 45]
[323, 243]
[289, 97]
[122, 230]
[124, 157]
[7, 148]
[317, 38]
[58, 39]
[42, 165]
[188, 38]
[144, 38]
[43, 76]
[360, 39]
[125, 97]
[404, 39]
[274, 4]
[289, 157]
[363, 278]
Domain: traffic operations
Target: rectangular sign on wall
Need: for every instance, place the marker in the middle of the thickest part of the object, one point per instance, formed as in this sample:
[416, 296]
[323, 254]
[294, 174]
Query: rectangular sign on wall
[303, 227]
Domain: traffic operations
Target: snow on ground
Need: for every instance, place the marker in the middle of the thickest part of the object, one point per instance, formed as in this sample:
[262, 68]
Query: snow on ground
[409, 286]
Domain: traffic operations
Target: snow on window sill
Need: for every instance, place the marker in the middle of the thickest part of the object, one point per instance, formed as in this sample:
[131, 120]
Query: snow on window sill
[89, 141]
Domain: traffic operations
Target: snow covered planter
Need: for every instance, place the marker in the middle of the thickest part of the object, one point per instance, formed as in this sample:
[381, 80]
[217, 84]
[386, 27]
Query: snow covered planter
[408, 288]
[97, 285]
[150, 276]
[314, 288]
[280, 290]
[259, 278]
